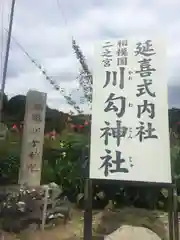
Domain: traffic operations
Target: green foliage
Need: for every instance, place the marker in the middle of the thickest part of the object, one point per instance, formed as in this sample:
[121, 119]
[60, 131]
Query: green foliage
[16, 107]
[48, 174]
[10, 146]
[75, 139]
[5, 101]
[175, 159]
[14, 111]
[62, 162]
[55, 120]
[9, 159]
[67, 170]
[9, 168]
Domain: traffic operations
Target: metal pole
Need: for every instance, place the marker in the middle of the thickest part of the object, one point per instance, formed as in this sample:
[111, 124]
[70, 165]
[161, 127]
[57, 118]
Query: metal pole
[6, 58]
[44, 212]
[175, 210]
[88, 192]
[88, 209]
[170, 213]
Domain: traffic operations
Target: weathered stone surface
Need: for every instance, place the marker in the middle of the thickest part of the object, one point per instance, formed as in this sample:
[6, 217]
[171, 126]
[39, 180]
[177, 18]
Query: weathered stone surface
[33, 138]
[130, 232]
[109, 221]
[26, 205]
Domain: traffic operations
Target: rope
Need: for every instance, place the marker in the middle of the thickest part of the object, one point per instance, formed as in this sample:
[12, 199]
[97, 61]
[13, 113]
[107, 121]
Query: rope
[49, 79]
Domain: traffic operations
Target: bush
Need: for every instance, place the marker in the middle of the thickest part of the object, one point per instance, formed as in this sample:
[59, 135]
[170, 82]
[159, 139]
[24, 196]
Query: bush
[9, 169]
[63, 167]
[62, 164]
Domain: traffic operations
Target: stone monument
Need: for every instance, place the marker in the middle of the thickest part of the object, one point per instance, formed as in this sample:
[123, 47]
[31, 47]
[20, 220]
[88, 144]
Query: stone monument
[33, 139]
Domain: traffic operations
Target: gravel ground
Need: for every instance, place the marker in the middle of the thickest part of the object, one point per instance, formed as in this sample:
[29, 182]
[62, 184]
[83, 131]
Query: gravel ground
[74, 231]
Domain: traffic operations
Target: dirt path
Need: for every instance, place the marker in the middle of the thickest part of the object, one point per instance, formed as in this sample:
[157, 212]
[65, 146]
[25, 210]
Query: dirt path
[72, 230]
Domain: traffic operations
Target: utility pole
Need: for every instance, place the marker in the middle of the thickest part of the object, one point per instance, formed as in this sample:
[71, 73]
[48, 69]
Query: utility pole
[6, 58]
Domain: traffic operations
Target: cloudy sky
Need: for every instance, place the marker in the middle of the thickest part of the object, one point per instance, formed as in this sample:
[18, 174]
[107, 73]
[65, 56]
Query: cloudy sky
[44, 28]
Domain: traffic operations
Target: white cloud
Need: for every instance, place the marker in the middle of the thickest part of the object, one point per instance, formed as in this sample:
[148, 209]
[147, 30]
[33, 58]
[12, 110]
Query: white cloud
[41, 28]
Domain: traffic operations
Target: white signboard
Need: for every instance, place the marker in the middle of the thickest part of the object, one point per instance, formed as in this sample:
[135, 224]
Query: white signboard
[130, 133]
[33, 139]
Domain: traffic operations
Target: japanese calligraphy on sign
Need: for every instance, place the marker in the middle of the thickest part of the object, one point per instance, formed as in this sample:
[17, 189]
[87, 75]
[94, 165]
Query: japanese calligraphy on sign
[33, 138]
[130, 133]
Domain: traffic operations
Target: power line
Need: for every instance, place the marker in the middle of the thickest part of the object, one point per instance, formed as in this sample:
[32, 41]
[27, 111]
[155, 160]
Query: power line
[62, 12]
[85, 76]
[49, 79]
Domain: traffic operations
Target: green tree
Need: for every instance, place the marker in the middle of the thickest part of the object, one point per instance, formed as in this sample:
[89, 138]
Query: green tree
[4, 107]
[16, 108]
